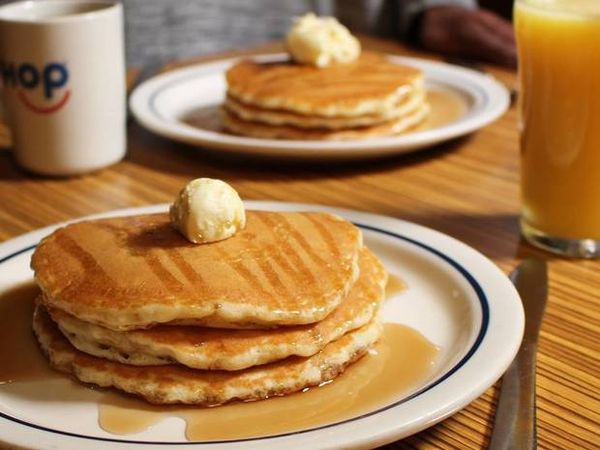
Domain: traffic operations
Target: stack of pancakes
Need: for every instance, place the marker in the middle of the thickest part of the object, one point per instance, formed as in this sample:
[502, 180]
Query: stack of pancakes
[285, 100]
[288, 302]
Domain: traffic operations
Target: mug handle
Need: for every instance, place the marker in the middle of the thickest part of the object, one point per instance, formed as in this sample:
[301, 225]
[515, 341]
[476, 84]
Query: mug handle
[4, 128]
[2, 115]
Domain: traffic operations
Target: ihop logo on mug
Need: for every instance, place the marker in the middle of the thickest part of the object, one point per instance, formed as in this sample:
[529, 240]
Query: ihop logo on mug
[43, 90]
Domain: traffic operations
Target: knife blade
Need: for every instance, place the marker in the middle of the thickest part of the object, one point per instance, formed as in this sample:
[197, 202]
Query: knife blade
[515, 419]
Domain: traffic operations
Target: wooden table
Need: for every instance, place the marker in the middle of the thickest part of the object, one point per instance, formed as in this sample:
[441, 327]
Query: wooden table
[467, 188]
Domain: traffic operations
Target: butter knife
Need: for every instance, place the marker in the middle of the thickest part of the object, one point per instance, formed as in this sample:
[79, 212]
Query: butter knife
[514, 422]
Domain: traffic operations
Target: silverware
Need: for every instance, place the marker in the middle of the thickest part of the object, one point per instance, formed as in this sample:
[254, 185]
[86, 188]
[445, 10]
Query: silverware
[514, 423]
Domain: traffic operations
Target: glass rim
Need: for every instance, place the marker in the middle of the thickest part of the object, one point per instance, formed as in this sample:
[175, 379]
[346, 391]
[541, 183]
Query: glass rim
[563, 7]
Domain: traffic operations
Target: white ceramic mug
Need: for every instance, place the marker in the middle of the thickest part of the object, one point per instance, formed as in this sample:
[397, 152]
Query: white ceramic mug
[62, 66]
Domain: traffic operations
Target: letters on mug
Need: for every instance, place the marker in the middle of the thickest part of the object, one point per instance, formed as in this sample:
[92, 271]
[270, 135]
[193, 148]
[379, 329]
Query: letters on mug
[27, 77]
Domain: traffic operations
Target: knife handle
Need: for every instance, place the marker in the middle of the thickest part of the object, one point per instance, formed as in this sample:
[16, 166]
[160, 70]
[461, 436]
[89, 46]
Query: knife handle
[515, 420]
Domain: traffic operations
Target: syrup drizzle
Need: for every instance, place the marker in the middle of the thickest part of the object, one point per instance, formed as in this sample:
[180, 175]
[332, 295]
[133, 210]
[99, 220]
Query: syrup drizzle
[399, 363]
[394, 286]
[402, 361]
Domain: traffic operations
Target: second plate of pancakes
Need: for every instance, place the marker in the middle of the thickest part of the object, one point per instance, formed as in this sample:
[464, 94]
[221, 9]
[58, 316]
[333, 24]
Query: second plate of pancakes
[186, 105]
[456, 299]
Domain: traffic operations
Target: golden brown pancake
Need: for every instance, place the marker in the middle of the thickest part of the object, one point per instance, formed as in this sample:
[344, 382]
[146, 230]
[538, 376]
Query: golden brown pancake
[178, 384]
[250, 113]
[243, 127]
[370, 85]
[134, 272]
[210, 348]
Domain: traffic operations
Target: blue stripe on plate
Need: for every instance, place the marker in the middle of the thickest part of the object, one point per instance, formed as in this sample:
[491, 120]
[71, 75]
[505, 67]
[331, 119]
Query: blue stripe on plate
[17, 253]
[485, 315]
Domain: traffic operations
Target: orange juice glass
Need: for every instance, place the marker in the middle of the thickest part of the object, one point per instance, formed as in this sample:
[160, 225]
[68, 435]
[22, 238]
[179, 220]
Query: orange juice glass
[559, 69]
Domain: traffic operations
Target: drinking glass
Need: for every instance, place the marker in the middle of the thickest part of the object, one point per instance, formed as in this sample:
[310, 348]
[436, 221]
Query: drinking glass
[559, 70]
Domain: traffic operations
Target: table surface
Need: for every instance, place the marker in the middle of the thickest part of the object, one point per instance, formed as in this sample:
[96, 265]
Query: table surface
[467, 188]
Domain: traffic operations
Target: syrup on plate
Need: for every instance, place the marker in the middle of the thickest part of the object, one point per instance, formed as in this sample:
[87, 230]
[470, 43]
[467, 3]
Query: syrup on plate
[402, 361]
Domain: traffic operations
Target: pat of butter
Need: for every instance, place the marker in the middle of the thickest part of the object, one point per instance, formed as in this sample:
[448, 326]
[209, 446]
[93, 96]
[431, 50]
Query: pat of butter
[207, 210]
[321, 41]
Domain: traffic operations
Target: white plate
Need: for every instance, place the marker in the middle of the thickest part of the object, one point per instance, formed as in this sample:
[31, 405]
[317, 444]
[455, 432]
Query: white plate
[457, 298]
[161, 102]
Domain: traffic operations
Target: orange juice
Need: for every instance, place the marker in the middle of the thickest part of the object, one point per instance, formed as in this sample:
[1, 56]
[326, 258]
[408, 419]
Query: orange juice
[559, 64]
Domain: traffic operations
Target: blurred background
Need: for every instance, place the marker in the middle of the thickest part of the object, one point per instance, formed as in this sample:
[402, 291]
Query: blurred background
[158, 31]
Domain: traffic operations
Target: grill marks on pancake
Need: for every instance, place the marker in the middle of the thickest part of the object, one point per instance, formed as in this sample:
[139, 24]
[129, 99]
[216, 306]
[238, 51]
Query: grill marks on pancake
[90, 265]
[271, 222]
[368, 86]
[166, 278]
[279, 257]
[325, 234]
[289, 261]
[268, 268]
[187, 270]
[302, 242]
[152, 260]
[269, 271]
[231, 350]
[252, 280]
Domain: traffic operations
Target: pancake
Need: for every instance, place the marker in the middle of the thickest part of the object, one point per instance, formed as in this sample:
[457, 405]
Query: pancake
[281, 117]
[178, 384]
[392, 127]
[204, 348]
[128, 273]
[370, 85]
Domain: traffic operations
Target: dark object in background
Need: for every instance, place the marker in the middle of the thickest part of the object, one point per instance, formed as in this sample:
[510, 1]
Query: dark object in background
[501, 7]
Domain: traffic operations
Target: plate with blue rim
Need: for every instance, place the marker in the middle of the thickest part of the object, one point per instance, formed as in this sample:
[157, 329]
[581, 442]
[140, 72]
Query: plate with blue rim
[183, 105]
[456, 298]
